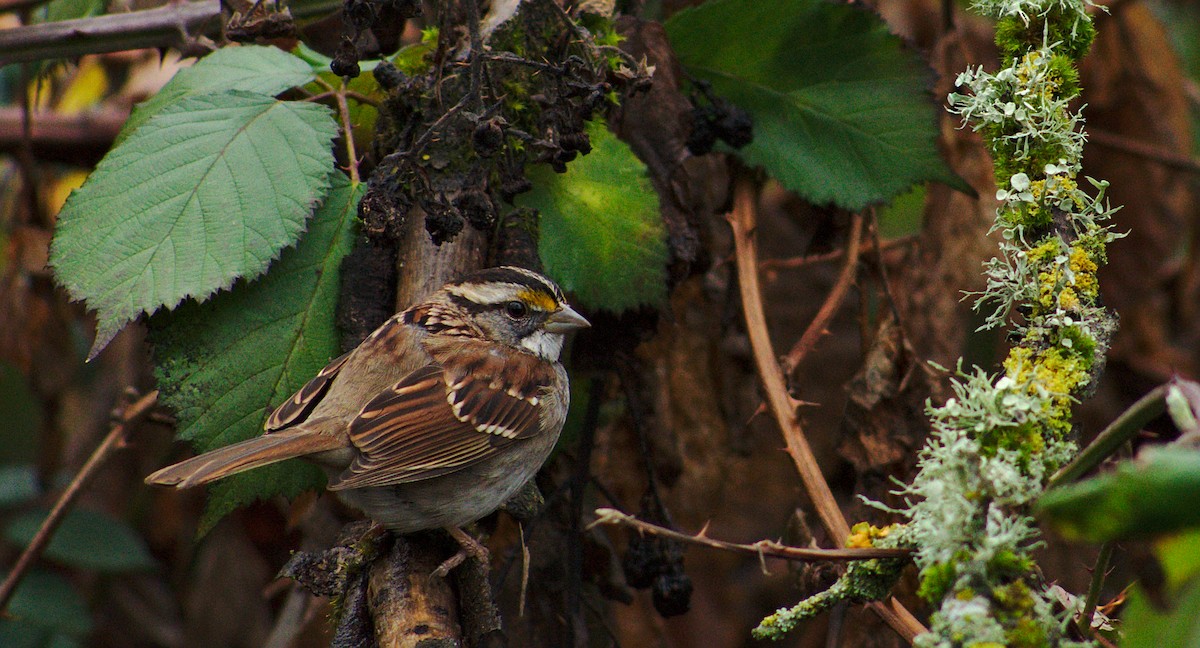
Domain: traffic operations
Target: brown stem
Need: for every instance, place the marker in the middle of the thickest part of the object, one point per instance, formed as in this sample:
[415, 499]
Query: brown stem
[832, 303]
[783, 407]
[173, 25]
[760, 548]
[115, 439]
[774, 265]
[348, 134]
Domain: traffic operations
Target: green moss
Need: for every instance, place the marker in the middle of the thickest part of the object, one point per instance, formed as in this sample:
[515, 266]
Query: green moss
[1074, 35]
[936, 581]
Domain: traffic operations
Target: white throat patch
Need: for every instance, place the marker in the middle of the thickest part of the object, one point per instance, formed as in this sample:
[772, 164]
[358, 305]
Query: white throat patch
[544, 344]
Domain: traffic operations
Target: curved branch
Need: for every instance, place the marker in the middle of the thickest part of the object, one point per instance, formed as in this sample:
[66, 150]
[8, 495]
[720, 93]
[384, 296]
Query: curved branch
[783, 407]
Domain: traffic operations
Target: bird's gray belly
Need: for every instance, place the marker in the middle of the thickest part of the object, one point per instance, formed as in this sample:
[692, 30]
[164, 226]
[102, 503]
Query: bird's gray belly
[455, 499]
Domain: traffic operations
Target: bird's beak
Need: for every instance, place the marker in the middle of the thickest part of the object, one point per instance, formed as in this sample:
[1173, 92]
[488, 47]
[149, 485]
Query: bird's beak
[565, 320]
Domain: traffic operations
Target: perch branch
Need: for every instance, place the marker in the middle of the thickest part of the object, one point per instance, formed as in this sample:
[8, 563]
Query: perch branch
[742, 222]
[760, 548]
[115, 439]
[832, 303]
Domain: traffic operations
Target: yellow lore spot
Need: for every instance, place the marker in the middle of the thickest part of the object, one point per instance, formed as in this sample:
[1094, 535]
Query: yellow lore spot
[538, 299]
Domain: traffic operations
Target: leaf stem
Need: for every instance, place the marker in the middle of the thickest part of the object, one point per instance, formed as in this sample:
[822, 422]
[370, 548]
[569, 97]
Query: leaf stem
[348, 134]
[115, 439]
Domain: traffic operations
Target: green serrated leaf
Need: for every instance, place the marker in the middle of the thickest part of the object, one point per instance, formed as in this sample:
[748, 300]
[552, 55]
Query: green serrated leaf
[249, 68]
[46, 600]
[841, 112]
[601, 236]
[1156, 494]
[86, 539]
[224, 365]
[209, 190]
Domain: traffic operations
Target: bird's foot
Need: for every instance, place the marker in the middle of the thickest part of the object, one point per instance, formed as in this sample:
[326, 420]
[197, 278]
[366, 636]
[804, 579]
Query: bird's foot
[468, 546]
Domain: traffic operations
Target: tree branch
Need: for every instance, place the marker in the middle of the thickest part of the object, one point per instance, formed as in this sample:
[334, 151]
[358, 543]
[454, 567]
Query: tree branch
[174, 25]
[115, 439]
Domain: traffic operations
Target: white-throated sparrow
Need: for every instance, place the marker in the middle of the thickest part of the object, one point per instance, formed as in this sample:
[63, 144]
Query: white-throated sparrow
[437, 418]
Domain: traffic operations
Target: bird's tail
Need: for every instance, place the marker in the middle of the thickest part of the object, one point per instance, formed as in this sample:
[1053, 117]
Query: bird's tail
[243, 456]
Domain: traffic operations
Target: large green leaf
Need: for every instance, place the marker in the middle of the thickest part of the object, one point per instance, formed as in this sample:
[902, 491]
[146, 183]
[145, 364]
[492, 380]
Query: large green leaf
[86, 539]
[1156, 494]
[1147, 627]
[46, 600]
[842, 113]
[225, 364]
[250, 68]
[602, 237]
[209, 190]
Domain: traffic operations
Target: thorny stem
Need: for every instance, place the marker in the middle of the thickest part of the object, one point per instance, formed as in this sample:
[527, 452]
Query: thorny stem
[1093, 594]
[774, 265]
[742, 222]
[348, 134]
[761, 548]
[832, 303]
[1127, 425]
[115, 439]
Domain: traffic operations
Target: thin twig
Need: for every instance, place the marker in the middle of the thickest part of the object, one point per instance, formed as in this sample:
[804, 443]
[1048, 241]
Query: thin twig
[775, 265]
[1127, 425]
[347, 133]
[760, 548]
[1093, 593]
[783, 407]
[115, 439]
[833, 302]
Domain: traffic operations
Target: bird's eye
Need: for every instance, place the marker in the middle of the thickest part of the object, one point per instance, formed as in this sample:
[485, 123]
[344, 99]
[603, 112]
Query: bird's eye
[516, 309]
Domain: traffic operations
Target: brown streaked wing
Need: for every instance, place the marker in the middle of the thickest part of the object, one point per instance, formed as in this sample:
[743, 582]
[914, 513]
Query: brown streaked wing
[297, 408]
[409, 433]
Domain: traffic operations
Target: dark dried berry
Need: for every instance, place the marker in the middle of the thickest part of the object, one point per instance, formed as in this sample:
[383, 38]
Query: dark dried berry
[382, 214]
[389, 76]
[672, 593]
[345, 62]
[702, 138]
[477, 208]
[513, 184]
[642, 562]
[488, 136]
[360, 14]
[443, 225]
[576, 142]
[735, 127]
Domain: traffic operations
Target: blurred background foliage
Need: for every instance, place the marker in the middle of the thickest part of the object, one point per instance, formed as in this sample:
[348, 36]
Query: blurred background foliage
[126, 569]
